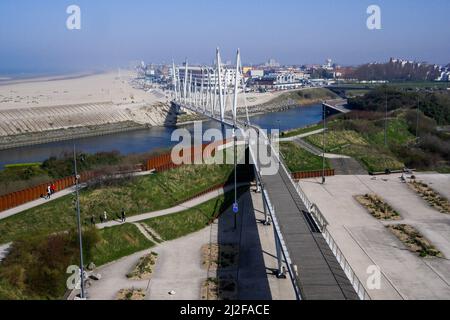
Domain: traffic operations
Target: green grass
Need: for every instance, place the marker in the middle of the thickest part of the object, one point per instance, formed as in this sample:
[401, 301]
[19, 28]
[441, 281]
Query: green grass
[36, 266]
[335, 140]
[355, 93]
[139, 195]
[117, 242]
[397, 133]
[182, 223]
[402, 85]
[298, 159]
[296, 132]
[370, 153]
[22, 165]
[373, 158]
[305, 96]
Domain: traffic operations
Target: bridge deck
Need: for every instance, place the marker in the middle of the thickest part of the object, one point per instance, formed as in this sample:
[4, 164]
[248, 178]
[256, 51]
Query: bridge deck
[320, 275]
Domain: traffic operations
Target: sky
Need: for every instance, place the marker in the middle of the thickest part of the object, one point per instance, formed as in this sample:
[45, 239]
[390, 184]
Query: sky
[34, 36]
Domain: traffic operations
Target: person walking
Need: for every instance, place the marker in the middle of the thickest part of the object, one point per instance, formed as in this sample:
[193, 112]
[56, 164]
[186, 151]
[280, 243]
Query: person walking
[93, 220]
[122, 215]
[105, 216]
[49, 191]
[52, 188]
[101, 218]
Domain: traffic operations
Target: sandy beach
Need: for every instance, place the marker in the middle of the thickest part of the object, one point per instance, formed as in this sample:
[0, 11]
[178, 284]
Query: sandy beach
[49, 109]
[75, 89]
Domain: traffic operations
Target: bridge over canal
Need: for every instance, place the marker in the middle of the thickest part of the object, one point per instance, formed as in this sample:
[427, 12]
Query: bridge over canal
[306, 252]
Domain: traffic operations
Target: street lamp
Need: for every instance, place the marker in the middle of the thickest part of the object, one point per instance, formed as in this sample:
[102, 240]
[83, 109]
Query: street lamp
[323, 141]
[80, 239]
[417, 119]
[386, 116]
[235, 176]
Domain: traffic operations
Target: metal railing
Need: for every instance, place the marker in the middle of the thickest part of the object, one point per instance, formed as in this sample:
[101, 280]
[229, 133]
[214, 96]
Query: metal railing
[351, 275]
[280, 243]
[322, 223]
[318, 217]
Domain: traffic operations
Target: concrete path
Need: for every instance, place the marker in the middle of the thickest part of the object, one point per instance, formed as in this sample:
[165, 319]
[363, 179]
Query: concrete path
[280, 289]
[179, 265]
[347, 166]
[35, 203]
[365, 241]
[343, 165]
[303, 135]
[178, 268]
[318, 152]
[184, 206]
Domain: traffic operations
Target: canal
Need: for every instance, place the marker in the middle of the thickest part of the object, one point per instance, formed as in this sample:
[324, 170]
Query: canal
[147, 140]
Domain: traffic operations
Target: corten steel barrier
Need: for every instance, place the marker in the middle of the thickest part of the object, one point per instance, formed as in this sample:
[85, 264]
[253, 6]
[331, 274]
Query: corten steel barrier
[160, 163]
[164, 161]
[312, 174]
[18, 198]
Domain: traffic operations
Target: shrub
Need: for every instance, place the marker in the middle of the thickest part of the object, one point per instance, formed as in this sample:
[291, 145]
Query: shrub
[36, 266]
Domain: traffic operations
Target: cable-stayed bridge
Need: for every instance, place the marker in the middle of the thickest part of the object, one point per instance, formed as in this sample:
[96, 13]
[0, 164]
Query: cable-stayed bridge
[306, 252]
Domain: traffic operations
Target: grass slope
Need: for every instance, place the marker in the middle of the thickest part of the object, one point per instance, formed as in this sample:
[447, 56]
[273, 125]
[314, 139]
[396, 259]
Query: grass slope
[117, 242]
[136, 196]
[298, 159]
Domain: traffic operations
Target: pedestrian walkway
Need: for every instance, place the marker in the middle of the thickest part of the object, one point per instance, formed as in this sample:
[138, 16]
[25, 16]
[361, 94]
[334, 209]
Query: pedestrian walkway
[178, 208]
[13, 211]
[302, 135]
[342, 164]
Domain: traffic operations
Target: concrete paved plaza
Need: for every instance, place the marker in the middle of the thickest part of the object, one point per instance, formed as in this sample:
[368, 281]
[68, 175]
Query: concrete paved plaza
[179, 265]
[366, 241]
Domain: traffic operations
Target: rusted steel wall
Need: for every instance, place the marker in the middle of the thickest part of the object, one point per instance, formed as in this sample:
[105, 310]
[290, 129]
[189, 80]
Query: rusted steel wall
[312, 174]
[161, 162]
[17, 198]
[164, 162]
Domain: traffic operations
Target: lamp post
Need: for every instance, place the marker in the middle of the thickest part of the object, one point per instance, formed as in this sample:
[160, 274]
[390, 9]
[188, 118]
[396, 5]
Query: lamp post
[80, 239]
[235, 174]
[417, 119]
[385, 117]
[323, 141]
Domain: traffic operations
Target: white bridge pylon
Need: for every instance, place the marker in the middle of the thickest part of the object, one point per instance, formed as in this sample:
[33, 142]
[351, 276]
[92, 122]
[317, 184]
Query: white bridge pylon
[211, 90]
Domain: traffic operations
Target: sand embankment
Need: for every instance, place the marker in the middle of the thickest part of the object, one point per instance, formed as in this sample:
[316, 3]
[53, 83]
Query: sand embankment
[47, 110]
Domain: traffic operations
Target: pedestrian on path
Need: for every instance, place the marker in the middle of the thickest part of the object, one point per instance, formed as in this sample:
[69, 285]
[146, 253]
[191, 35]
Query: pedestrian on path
[52, 188]
[49, 192]
[101, 218]
[93, 220]
[105, 216]
[122, 215]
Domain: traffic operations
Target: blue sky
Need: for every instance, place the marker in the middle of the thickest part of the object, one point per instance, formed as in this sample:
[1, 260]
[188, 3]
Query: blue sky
[34, 37]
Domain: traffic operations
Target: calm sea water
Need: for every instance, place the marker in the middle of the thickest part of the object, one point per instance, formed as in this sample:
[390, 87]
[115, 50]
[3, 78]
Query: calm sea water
[146, 140]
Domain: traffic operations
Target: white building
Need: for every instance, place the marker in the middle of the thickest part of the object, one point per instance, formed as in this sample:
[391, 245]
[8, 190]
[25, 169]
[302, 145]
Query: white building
[207, 76]
[255, 73]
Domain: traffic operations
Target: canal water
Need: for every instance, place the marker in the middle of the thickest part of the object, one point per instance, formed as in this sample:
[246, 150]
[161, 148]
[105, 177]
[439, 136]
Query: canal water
[146, 140]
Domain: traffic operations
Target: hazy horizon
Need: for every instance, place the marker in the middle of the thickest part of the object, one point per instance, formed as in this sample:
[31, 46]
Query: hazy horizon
[35, 38]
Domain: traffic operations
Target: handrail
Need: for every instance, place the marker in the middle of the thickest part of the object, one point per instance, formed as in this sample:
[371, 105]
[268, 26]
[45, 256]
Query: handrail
[316, 215]
[279, 236]
[322, 223]
[351, 275]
